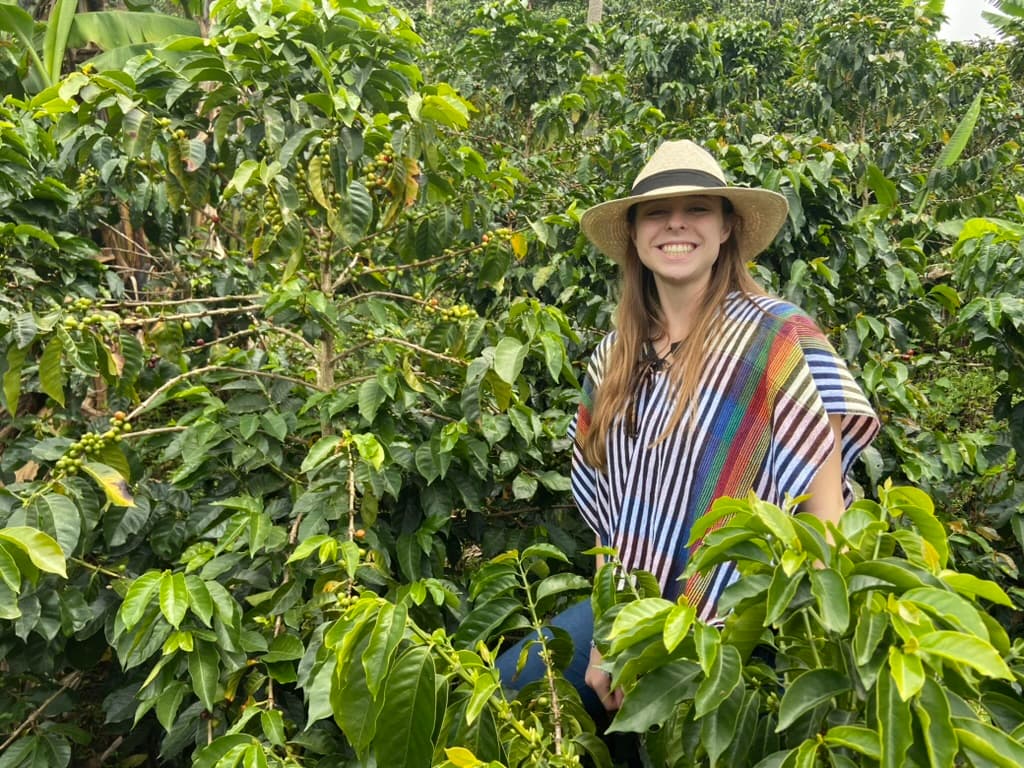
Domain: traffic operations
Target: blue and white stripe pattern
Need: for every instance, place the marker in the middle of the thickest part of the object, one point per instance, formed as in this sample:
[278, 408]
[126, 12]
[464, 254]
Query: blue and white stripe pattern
[761, 423]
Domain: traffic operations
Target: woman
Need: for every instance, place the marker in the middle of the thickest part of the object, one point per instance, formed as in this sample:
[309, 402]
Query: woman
[707, 388]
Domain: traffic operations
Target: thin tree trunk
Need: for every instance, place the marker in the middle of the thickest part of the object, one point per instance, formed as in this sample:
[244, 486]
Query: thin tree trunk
[595, 11]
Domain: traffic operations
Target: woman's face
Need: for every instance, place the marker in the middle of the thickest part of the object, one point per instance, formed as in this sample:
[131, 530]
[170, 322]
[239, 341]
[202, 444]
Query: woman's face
[678, 238]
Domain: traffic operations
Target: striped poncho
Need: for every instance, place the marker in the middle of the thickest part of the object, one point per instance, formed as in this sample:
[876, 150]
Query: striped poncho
[770, 382]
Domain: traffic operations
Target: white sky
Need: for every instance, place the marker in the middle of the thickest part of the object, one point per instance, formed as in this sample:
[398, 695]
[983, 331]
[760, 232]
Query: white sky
[965, 22]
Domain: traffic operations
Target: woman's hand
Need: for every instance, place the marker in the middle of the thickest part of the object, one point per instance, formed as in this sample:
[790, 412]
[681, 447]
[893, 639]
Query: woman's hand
[600, 682]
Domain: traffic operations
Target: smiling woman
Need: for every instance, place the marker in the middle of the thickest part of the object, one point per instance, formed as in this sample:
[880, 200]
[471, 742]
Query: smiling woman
[708, 387]
[678, 240]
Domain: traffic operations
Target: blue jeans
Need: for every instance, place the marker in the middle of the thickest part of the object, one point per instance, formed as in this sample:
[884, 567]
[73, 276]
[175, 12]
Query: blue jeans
[578, 621]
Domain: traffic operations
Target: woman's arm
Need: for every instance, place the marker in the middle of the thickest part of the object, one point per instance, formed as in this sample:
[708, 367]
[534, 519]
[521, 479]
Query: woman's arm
[826, 489]
[596, 678]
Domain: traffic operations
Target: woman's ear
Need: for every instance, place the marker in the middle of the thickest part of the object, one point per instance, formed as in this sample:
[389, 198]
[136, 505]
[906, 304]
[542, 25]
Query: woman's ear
[728, 224]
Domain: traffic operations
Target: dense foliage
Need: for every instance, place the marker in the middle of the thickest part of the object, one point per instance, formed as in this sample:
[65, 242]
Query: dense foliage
[294, 313]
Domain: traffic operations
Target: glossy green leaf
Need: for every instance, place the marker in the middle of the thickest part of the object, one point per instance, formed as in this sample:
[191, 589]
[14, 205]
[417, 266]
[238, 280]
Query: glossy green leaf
[781, 592]
[406, 721]
[173, 597]
[509, 355]
[385, 636]
[272, 722]
[204, 670]
[560, 583]
[169, 702]
[950, 607]
[907, 672]
[970, 585]
[637, 621]
[12, 378]
[707, 641]
[483, 689]
[723, 509]
[9, 609]
[524, 487]
[284, 647]
[199, 600]
[51, 370]
[933, 716]
[873, 621]
[854, 737]
[723, 545]
[831, 593]
[778, 522]
[58, 28]
[677, 625]
[814, 687]
[554, 354]
[894, 723]
[371, 396]
[354, 214]
[961, 136]
[885, 190]
[138, 597]
[654, 698]
[483, 619]
[307, 547]
[322, 451]
[718, 728]
[41, 549]
[355, 711]
[726, 673]
[37, 750]
[960, 648]
[10, 574]
[897, 572]
[210, 756]
[806, 754]
[53, 514]
[370, 450]
[988, 742]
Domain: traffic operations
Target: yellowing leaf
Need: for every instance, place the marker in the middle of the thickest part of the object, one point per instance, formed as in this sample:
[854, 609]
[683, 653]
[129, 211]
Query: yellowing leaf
[460, 757]
[110, 480]
[315, 180]
[518, 242]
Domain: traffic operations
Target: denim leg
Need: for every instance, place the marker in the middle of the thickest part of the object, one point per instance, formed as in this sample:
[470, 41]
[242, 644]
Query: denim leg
[578, 621]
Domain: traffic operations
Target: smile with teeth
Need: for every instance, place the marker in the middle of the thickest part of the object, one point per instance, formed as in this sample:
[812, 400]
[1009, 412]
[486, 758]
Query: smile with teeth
[678, 248]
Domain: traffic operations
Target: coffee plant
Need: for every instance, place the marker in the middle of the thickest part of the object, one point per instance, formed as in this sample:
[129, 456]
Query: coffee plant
[294, 315]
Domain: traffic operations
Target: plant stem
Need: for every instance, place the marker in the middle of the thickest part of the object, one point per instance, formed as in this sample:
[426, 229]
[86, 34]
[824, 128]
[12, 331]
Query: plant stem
[69, 682]
[170, 383]
[96, 568]
[132, 322]
[810, 639]
[545, 655]
[351, 496]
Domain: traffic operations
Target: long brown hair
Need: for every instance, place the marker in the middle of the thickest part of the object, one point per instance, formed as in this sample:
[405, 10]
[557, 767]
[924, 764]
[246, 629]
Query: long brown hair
[640, 320]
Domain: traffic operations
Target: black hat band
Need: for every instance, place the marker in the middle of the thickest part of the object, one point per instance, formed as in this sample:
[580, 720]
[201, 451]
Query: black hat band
[665, 179]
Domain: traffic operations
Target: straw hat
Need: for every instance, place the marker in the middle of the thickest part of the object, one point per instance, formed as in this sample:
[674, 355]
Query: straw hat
[679, 169]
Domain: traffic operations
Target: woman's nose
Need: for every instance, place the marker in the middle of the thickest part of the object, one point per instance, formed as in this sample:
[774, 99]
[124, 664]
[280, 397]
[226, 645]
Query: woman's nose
[676, 218]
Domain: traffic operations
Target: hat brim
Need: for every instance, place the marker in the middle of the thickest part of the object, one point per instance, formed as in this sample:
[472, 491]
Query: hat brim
[761, 215]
